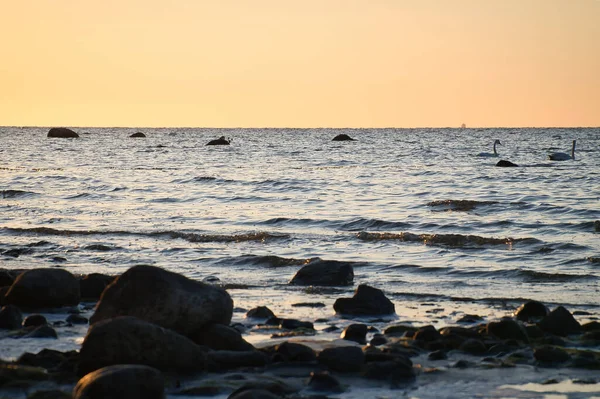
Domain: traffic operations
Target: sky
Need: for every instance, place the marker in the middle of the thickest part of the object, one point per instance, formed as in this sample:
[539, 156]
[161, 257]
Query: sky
[300, 63]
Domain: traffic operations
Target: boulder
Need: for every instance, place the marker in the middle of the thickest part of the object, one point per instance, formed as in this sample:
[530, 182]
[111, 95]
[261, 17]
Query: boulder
[531, 310]
[507, 329]
[44, 288]
[560, 322]
[324, 273]
[44, 331]
[165, 298]
[127, 340]
[220, 141]
[366, 301]
[220, 337]
[342, 137]
[551, 354]
[62, 132]
[260, 312]
[342, 358]
[506, 164]
[35, 320]
[294, 352]
[92, 285]
[10, 317]
[138, 135]
[324, 382]
[355, 332]
[123, 381]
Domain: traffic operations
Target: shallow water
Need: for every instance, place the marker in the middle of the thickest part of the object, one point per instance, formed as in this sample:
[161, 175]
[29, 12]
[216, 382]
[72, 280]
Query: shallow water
[442, 231]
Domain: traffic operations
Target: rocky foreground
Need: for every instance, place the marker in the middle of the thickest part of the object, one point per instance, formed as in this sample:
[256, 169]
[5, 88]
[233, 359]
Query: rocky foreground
[155, 333]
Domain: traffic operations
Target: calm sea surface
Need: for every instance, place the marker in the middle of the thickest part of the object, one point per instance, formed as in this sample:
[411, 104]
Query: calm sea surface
[250, 214]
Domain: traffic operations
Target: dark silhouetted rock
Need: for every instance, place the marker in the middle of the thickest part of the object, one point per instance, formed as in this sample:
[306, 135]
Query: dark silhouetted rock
[473, 347]
[531, 310]
[342, 358]
[138, 135]
[506, 164]
[342, 137]
[127, 340]
[165, 298]
[77, 319]
[6, 278]
[219, 361]
[378, 339]
[294, 352]
[35, 320]
[123, 381]
[355, 332]
[438, 355]
[260, 312]
[220, 141]
[44, 288]
[366, 301]
[550, 354]
[92, 285]
[395, 371]
[400, 330]
[507, 329]
[62, 132]
[10, 317]
[220, 337]
[324, 273]
[50, 359]
[292, 324]
[44, 331]
[560, 322]
[427, 334]
[324, 382]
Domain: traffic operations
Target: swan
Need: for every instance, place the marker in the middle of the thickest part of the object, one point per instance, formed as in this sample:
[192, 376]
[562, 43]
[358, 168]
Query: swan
[561, 156]
[488, 154]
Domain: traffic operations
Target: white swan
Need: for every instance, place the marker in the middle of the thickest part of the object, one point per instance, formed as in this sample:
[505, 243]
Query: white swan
[562, 156]
[488, 154]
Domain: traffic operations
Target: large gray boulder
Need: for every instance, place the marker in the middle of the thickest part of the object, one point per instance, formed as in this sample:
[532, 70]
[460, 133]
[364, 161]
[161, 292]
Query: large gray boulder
[62, 132]
[44, 288]
[165, 298]
[123, 381]
[127, 340]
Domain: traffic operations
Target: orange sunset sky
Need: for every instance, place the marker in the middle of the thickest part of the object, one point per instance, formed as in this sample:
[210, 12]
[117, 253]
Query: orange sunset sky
[300, 63]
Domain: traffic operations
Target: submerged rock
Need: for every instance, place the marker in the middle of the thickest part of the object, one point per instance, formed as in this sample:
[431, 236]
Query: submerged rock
[165, 298]
[62, 132]
[342, 137]
[44, 288]
[366, 301]
[324, 273]
[127, 340]
[123, 381]
[506, 164]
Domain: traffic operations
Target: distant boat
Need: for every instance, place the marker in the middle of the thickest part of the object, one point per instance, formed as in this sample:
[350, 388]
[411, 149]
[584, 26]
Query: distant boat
[463, 126]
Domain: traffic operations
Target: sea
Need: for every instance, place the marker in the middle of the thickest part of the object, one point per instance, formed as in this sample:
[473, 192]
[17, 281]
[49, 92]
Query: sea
[418, 213]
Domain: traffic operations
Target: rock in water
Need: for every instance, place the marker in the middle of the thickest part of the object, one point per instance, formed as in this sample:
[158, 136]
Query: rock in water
[62, 132]
[220, 141]
[506, 164]
[10, 317]
[92, 285]
[324, 273]
[127, 340]
[44, 288]
[531, 310]
[342, 137]
[165, 298]
[560, 322]
[138, 135]
[123, 381]
[366, 301]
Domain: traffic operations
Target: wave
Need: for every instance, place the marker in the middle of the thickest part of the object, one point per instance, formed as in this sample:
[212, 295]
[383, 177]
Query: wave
[16, 193]
[191, 237]
[527, 276]
[270, 261]
[362, 224]
[458, 205]
[419, 269]
[450, 240]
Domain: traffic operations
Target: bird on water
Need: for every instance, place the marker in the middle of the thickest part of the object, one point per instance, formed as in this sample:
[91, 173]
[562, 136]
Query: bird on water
[563, 156]
[489, 154]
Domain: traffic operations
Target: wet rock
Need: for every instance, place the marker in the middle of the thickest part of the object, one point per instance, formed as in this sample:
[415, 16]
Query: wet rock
[292, 324]
[308, 305]
[560, 322]
[220, 141]
[49, 359]
[427, 334]
[44, 331]
[342, 358]
[355, 332]
[220, 337]
[470, 318]
[507, 329]
[366, 301]
[533, 331]
[294, 352]
[342, 137]
[324, 273]
[260, 312]
[164, 298]
[10, 373]
[92, 285]
[123, 381]
[438, 355]
[400, 330]
[505, 164]
[10, 317]
[6, 278]
[378, 339]
[138, 135]
[531, 311]
[395, 371]
[127, 340]
[324, 382]
[473, 347]
[35, 320]
[550, 354]
[228, 360]
[597, 226]
[49, 394]
[77, 319]
[44, 288]
[62, 132]
[591, 326]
